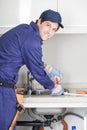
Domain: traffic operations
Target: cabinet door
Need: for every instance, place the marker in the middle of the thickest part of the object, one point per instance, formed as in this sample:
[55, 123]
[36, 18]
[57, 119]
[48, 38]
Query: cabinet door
[31, 9]
[38, 6]
[74, 15]
[13, 12]
[9, 12]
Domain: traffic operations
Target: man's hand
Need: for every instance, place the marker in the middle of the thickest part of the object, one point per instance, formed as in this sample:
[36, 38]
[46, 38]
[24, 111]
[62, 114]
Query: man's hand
[57, 90]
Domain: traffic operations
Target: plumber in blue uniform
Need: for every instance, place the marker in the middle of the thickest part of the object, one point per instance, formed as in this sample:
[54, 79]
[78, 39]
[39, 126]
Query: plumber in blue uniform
[22, 45]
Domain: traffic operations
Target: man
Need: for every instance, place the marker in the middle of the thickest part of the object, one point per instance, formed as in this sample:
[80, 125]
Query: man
[22, 46]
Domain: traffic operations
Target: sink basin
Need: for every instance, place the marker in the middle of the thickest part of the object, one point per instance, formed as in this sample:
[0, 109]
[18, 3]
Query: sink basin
[43, 113]
[48, 111]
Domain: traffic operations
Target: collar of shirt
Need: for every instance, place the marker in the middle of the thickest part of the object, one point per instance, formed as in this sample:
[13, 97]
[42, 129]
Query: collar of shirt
[35, 27]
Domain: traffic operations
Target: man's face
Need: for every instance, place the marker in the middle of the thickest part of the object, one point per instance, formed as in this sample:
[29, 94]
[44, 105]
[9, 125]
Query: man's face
[47, 29]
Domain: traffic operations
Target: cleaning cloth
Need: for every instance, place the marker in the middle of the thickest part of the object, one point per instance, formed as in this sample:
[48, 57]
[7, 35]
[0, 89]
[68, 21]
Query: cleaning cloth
[57, 90]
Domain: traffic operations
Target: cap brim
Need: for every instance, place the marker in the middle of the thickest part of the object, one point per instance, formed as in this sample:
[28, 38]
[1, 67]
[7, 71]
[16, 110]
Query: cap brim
[61, 25]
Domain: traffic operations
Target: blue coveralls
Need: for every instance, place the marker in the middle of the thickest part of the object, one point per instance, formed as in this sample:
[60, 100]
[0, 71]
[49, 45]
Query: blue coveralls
[19, 46]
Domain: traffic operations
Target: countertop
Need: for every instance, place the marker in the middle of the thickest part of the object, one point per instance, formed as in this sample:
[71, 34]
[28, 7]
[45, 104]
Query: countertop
[49, 101]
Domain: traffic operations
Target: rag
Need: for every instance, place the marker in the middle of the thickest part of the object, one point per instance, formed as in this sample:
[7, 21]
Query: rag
[57, 90]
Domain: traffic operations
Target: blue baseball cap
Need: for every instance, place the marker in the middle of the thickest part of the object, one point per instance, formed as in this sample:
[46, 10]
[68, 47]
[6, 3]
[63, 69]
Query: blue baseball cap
[52, 16]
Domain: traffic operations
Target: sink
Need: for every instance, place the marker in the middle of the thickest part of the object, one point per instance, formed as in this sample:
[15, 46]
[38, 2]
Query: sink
[38, 90]
[48, 111]
[43, 114]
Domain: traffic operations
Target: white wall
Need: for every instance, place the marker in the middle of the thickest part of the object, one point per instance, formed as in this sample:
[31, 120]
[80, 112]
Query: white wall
[68, 53]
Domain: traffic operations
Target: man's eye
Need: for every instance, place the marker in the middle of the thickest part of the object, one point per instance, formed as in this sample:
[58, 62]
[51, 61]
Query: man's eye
[48, 25]
[54, 29]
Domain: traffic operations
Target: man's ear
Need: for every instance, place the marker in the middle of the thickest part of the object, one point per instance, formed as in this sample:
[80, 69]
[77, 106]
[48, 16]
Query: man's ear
[39, 22]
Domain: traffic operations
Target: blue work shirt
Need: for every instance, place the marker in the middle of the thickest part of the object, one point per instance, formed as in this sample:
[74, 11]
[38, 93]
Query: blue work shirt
[20, 46]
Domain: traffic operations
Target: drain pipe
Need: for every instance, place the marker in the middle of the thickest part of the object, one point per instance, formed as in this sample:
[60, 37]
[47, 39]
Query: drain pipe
[63, 122]
[65, 125]
[41, 128]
